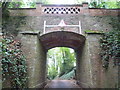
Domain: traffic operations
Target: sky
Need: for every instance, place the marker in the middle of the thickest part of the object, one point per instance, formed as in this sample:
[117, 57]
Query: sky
[65, 1]
[52, 1]
[58, 1]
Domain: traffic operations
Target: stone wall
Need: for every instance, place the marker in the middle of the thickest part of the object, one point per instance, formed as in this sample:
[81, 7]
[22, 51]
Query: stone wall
[36, 60]
[36, 23]
[89, 65]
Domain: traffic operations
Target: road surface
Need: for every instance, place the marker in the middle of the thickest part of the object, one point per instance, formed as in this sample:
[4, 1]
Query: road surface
[62, 84]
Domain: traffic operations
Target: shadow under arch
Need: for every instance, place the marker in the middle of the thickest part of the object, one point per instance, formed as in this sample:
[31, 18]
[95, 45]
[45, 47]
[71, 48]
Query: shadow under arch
[62, 39]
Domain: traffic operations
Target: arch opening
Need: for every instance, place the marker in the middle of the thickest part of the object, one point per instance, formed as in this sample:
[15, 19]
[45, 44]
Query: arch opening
[61, 63]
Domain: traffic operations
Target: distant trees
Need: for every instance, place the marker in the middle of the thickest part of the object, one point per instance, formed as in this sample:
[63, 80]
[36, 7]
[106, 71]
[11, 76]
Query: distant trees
[104, 4]
[60, 61]
[17, 4]
[92, 3]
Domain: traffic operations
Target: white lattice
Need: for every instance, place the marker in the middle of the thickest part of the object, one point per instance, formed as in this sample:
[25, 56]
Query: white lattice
[62, 10]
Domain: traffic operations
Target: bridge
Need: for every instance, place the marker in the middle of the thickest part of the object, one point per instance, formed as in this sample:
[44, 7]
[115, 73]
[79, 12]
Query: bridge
[73, 26]
[58, 36]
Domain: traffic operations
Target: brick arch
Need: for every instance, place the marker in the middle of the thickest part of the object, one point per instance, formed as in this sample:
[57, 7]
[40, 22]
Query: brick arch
[62, 39]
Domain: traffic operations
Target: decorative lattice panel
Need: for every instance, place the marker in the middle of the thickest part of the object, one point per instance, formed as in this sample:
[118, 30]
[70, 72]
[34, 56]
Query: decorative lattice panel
[62, 10]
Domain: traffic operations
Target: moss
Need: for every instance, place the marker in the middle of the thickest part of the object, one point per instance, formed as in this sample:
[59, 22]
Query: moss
[93, 32]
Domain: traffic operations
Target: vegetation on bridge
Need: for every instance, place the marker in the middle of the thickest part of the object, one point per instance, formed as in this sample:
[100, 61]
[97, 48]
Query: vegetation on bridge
[110, 44]
[92, 3]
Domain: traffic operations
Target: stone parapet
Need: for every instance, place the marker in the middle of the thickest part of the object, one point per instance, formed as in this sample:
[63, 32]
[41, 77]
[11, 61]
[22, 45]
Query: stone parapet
[62, 10]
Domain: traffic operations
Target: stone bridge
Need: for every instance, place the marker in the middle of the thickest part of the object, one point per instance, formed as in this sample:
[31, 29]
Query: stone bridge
[36, 42]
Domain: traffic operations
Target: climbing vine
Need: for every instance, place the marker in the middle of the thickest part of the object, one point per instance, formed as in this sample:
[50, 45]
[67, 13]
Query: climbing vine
[13, 62]
[110, 44]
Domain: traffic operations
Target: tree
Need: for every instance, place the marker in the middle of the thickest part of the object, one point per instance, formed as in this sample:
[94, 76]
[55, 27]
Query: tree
[60, 61]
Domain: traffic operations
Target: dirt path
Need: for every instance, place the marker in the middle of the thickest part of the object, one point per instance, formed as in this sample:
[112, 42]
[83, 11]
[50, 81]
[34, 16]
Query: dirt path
[62, 84]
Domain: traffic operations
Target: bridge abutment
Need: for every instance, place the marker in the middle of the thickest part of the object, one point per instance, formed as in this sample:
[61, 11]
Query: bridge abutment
[36, 59]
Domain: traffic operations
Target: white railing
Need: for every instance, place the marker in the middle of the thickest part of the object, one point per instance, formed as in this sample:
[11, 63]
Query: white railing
[62, 26]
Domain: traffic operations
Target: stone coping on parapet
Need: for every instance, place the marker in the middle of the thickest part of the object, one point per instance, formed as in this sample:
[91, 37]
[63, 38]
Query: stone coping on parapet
[62, 6]
[29, 33]
[22, 8]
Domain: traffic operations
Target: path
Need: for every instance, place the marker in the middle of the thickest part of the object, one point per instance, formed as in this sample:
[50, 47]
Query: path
[62, 84]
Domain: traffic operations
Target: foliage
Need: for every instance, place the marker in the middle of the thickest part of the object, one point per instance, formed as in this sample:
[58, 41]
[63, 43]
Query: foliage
[60, 62]
[96, 5]
[107, 4]
[110, 44]
[22, 5]
[31, 4]
[13, 62]
[15, 5]
[92, 3]
[113, 4]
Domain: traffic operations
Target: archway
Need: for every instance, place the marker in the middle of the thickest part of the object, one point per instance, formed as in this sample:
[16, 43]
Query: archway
[64, 39]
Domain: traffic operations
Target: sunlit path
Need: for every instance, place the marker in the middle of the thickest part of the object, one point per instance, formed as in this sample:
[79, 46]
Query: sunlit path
[62, 84]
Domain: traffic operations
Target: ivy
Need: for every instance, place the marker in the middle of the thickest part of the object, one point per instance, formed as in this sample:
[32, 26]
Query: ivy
[13, 62]
[106, 4]
[110, 44]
